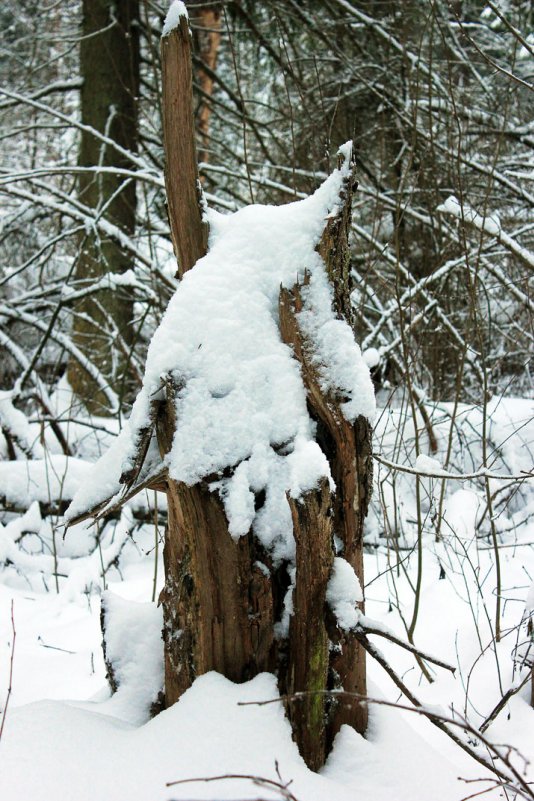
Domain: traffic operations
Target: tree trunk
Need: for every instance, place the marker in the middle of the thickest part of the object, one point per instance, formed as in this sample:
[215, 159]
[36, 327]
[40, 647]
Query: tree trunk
[220, 605]
[206, 26]
[109, 60]
[222, 597]
[189, 230]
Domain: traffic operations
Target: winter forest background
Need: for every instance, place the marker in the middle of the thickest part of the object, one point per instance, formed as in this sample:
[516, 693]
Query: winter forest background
[437, 98]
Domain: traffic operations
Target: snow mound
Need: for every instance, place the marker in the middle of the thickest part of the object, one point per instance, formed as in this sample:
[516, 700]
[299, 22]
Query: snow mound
[241, 400]
[47, 480]
[134, 649]
[55, 750]
[343, 593]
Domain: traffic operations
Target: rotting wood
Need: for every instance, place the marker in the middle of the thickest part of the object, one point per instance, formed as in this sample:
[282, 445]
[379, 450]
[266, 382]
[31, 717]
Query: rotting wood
[347, 447]
[189, 231]
[335, 251]
[308, 635]
[217, 601]
[348, 450]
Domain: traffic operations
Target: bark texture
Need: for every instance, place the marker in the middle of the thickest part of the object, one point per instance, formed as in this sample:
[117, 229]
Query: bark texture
[184, 194]
[308, 647]
[109, 62]
[348, 449]
[218, 602]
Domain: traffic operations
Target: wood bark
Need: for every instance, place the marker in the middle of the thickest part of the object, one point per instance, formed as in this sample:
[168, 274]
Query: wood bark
[109, 63]
[348, 449]
[218, 600]
[189, 231]
[308, 646]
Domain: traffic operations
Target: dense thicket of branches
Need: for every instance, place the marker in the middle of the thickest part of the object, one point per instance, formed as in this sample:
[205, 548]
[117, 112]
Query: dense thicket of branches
[437, 98]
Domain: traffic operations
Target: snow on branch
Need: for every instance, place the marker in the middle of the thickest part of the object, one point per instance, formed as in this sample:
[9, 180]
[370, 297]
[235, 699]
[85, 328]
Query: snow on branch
[177, 10]
[427, 467]
[488, 224]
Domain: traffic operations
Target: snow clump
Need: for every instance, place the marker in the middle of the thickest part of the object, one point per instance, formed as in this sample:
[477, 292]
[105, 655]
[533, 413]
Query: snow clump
[240, 398]
[343, 593]
[176, 10]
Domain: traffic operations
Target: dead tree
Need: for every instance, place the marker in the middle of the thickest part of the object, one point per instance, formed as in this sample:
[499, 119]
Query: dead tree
[220, 607]
[223, 596]
[109, 60]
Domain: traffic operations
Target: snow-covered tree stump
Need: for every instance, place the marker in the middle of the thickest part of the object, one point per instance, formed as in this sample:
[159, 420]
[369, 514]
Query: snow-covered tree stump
[224, 596]
[254, 419]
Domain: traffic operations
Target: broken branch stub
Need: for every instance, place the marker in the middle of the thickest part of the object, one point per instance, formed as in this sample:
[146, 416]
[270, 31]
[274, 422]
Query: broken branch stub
[189, 230]
[334, 245]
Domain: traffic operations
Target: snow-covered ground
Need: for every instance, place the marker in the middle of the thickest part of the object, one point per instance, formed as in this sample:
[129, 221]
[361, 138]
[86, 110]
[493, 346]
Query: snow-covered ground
[451, 485]
[86, 748]
[65, 738]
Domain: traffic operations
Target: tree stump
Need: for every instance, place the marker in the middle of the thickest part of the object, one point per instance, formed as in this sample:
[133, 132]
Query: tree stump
[229, 603]
[223, 596]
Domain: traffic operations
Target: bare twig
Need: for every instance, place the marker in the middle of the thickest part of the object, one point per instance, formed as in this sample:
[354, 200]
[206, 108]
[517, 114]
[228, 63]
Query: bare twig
[502, 703]
[368, 628]
[11, 660]
[482, 473]
[259, 781]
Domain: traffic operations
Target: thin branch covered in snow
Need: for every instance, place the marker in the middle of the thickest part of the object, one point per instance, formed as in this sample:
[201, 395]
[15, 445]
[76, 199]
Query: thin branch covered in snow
[488, 225]
[429, 470]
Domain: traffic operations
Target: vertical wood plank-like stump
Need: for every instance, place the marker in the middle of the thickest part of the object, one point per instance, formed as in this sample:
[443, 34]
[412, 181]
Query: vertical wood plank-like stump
[308, 648]
[222, 596]
[189, 231]
[348, 449]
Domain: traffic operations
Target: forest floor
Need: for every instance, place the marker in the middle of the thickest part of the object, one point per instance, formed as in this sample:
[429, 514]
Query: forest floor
[65, 737]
